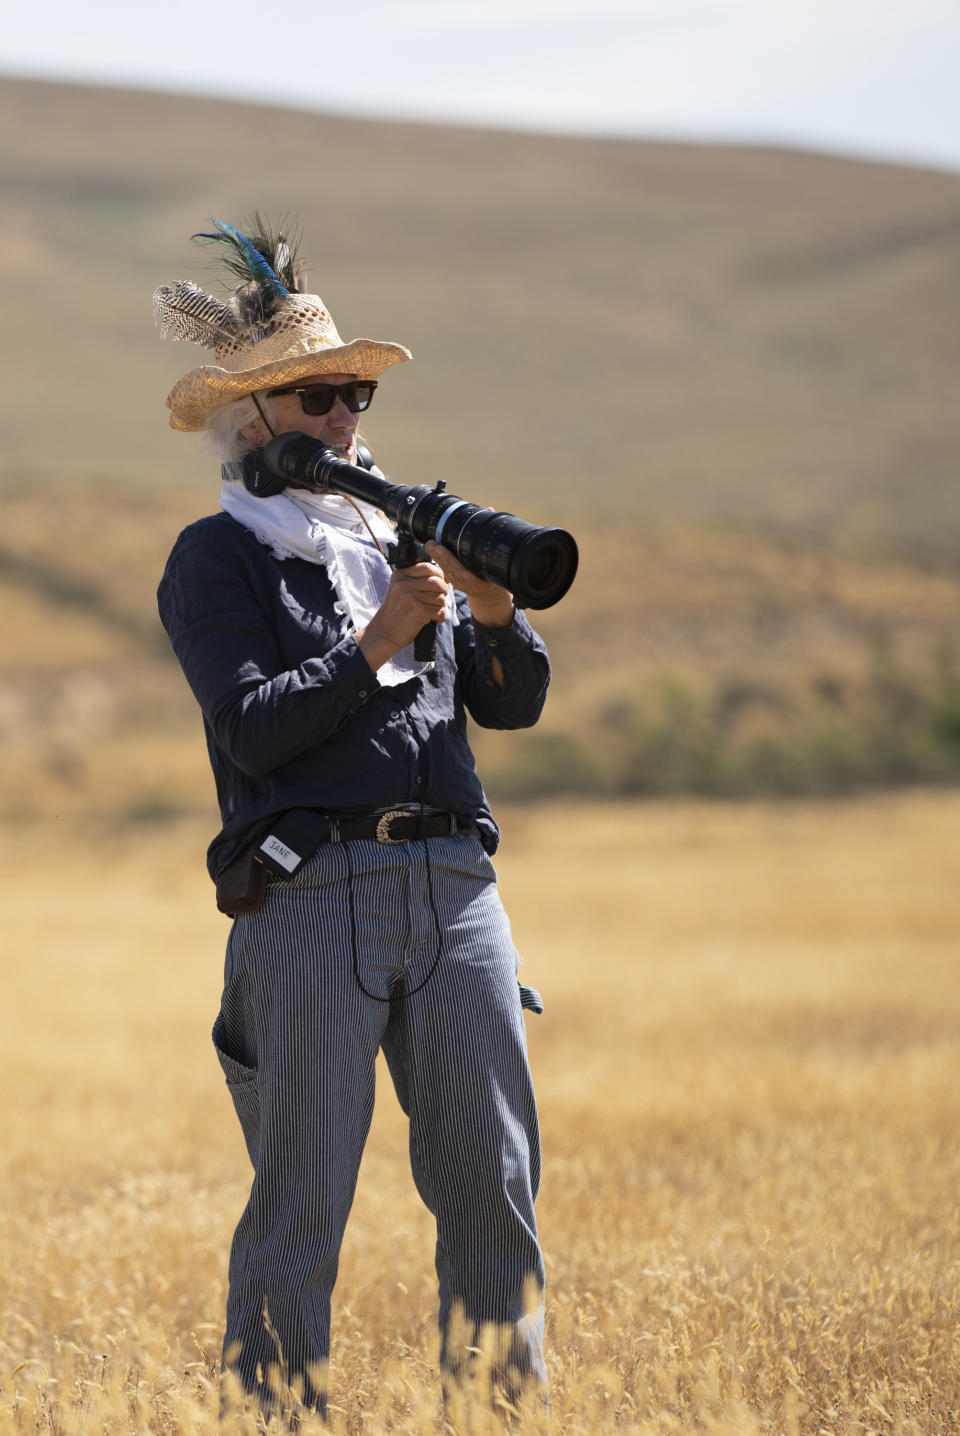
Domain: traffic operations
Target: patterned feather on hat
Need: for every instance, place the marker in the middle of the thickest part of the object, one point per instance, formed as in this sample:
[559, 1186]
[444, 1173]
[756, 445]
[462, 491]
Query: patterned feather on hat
[184, 311]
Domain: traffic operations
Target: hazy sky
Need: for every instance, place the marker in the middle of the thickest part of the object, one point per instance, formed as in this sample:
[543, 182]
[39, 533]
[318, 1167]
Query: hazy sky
[867, 77]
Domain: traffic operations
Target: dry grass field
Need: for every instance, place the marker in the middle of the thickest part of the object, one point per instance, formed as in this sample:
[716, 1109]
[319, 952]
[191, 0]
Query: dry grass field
[748, 1075]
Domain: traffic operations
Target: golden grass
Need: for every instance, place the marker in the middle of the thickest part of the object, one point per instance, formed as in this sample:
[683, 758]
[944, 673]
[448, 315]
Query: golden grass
[747, 1071]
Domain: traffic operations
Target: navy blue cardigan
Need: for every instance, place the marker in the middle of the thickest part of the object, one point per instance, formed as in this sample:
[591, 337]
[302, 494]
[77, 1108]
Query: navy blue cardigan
[294, 715]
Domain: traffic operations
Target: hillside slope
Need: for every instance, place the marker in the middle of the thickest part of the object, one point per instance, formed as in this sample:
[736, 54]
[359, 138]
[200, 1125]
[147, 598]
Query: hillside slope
[731, 371]
[613, 327]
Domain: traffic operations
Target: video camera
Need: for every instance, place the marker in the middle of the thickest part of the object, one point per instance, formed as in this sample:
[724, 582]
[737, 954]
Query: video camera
[536, 565]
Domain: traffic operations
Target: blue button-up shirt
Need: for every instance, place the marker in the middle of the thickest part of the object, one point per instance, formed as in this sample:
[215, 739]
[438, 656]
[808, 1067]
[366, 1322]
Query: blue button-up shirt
[294, 715]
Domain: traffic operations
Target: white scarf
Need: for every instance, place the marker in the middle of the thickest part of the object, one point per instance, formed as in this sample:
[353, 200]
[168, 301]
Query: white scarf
[327, 529]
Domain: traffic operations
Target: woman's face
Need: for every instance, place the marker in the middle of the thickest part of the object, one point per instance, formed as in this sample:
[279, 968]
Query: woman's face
[337, 428]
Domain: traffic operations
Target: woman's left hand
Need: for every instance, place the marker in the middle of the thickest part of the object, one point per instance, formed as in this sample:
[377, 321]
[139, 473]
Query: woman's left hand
[490, 604]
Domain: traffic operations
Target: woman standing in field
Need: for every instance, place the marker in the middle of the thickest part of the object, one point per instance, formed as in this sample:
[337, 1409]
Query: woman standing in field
[355, 848]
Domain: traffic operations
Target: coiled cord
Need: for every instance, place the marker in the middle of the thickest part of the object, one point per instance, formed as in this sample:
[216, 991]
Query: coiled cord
[355, 946]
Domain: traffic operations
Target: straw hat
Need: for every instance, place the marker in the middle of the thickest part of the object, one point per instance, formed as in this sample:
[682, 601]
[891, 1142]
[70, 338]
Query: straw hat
[265, 336]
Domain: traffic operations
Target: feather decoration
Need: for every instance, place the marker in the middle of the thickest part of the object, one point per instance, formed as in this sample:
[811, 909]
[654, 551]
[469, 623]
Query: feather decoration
[185, 311]
[279, 248]
[262, 291]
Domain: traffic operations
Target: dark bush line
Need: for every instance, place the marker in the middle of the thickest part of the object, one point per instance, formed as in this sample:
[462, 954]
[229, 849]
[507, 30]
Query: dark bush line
[682, 741]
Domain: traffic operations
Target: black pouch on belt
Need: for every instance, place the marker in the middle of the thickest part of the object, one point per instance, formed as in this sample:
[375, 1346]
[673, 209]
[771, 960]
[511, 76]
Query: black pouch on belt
[293, 837]
[241, 886]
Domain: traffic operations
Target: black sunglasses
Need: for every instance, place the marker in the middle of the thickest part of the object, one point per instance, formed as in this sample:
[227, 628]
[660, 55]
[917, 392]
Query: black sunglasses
[320, 398]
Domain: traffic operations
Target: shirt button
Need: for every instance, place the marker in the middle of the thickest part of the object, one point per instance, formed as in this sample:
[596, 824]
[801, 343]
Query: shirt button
[493, 643]
[394, 714]
[362, 693]
[489, 682]
[419, 780]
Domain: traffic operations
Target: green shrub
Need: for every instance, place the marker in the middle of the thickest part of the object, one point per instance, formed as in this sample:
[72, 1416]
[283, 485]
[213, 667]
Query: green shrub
[746, 737]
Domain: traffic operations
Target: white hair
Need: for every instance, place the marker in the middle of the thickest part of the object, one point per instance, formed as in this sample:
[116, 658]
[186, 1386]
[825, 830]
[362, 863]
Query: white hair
[223, 427]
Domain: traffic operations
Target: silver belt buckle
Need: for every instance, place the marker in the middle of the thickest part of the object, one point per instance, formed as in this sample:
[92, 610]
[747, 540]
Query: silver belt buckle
[383, 827]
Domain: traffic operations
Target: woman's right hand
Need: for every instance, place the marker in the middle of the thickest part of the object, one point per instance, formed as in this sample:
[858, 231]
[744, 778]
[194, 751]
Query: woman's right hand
[414, 596]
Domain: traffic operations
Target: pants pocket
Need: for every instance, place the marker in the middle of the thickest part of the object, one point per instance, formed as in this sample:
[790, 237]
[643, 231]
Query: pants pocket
[530, 999]
[242, 1086]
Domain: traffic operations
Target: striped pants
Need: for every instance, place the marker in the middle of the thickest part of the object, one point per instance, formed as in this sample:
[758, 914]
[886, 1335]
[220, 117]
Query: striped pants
[341, 960]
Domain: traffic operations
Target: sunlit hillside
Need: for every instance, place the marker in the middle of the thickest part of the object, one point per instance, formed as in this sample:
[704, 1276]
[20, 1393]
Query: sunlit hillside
[685, 660]
[728, 371]
[623, 328]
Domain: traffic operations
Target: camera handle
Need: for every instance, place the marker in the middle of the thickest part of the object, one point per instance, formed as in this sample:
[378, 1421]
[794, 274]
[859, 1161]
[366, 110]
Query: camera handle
[404, 554]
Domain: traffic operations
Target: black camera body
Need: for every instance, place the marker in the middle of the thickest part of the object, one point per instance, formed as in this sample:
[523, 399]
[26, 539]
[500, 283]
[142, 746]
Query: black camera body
[536, 565]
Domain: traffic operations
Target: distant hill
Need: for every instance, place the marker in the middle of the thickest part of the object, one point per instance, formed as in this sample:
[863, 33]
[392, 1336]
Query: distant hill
[608, 327]
[731, 371]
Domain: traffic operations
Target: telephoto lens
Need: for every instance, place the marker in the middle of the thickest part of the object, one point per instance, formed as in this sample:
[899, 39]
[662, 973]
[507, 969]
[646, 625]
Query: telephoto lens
[537, 565]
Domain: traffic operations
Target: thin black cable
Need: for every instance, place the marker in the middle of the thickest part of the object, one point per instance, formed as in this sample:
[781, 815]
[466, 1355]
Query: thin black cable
[400, 996]
[263, 416]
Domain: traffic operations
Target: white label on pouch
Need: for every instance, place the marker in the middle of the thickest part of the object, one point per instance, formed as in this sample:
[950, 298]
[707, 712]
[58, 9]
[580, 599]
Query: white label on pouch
[286, 857]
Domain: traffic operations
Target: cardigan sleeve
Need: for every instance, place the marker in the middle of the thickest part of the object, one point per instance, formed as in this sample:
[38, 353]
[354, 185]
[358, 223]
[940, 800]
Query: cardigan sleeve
[519, 702]
[260, 712]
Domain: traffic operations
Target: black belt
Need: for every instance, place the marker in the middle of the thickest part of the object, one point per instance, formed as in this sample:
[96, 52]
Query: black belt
[298, 833]
[394, 826]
